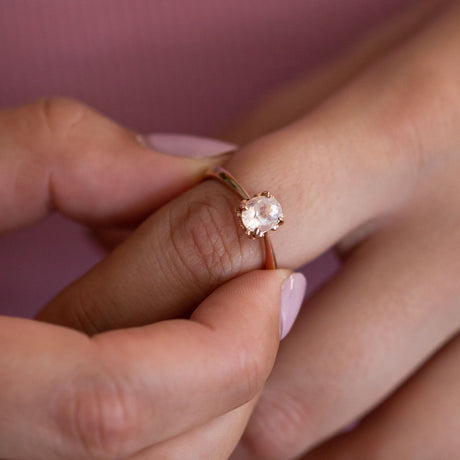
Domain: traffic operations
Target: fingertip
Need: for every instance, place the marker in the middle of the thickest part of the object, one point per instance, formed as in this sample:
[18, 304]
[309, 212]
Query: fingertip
[293, 287]
[182, 160]
[292, 296]
[247, 306]
[185, 145]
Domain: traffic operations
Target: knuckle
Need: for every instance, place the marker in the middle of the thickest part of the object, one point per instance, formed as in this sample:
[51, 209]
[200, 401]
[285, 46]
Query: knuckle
[280, 427]
[252, 370]
[37, 132]
[205, 236]
[57, 116]
[98, 417]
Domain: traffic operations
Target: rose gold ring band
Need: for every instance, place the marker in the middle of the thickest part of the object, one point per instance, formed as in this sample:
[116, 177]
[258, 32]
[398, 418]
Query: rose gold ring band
[248, 212]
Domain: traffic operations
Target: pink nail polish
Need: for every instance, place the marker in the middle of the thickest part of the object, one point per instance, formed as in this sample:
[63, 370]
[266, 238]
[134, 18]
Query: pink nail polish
[292, 295]
[185, 145]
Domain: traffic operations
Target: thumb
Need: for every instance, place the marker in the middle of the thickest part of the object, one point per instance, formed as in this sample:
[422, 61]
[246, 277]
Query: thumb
[240, 309]
[121, 391]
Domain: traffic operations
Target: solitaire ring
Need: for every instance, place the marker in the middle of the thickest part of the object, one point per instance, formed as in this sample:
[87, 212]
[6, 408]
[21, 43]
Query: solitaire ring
[257, 214]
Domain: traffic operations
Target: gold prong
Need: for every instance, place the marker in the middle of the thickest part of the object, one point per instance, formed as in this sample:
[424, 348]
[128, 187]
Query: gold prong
[281, 220]
[275, 228]
[267, 194]
[257, 232]
[251, 235]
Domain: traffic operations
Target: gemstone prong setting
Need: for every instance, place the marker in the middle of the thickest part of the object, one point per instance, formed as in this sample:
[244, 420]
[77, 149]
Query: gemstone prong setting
[260, 214]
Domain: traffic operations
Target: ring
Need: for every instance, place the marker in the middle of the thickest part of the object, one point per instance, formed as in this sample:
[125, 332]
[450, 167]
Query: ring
[257, 214]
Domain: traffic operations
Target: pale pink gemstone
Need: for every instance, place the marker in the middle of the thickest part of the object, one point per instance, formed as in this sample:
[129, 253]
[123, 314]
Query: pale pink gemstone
[262, 213]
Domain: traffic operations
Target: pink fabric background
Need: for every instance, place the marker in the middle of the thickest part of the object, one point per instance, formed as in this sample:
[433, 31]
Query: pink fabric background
[154, 65]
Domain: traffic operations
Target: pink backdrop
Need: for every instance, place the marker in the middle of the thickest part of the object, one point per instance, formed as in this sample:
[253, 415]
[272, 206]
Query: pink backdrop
[154, 65]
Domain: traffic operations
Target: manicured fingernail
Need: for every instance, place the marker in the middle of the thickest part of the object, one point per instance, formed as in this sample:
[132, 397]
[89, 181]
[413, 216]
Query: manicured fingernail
[292, 295]
[185, 145]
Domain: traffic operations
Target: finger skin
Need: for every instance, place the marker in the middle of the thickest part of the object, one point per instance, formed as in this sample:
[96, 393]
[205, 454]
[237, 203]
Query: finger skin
[358, 339]
[58, 154]
[215, 440]
[164, 269]
[419, 421]
[124, 390]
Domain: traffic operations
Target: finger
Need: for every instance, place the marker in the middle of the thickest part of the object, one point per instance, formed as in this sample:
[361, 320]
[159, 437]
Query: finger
[58, 154]
[362, 154]
[215, 440]
[296, 99]
[299, 97]
[389, 309]
[419, 421]
[124, 390]
[355, 160]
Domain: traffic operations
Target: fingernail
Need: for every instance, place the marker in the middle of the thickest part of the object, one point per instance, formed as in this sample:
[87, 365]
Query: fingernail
[292, 295]
[185, 145]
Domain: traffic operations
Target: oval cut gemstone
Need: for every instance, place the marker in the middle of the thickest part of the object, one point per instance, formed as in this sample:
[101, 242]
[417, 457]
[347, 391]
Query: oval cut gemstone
[262, 212]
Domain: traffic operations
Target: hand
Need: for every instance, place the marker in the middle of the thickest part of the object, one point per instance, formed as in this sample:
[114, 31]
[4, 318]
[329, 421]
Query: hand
[374, 168]
[148, 392]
